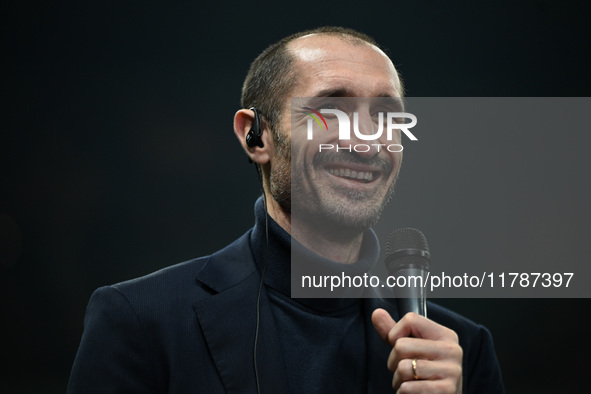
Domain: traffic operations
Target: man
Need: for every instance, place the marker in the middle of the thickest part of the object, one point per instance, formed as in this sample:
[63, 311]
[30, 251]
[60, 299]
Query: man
[227, 323]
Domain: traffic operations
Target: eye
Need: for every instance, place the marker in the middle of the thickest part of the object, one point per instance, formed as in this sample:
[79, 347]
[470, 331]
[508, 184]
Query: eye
[338, 103]
[327, 105]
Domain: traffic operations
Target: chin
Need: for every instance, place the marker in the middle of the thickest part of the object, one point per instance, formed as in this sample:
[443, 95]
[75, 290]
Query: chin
[355, 223]
[346, 219]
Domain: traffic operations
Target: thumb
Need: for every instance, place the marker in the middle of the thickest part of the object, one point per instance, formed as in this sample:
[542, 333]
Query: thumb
[383, 323]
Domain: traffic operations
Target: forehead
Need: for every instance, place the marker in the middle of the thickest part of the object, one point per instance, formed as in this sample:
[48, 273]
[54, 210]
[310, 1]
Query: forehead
[331, 65]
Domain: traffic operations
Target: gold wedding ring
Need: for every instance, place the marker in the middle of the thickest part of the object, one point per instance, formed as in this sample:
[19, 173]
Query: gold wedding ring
[414, 369]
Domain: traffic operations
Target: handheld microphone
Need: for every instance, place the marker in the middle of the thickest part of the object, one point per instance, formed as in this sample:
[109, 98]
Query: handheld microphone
[407, 256]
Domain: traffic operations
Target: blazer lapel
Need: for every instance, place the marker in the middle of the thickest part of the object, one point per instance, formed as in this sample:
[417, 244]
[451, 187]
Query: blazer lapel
[228, 318]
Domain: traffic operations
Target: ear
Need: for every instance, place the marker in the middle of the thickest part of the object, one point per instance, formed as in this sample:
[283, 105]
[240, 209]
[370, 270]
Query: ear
[243, 121]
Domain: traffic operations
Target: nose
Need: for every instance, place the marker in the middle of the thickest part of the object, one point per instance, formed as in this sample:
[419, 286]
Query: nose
[365, 134]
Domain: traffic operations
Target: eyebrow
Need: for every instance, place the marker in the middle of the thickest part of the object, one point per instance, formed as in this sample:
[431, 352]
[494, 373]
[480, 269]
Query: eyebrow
[334, 92]
[344, 92]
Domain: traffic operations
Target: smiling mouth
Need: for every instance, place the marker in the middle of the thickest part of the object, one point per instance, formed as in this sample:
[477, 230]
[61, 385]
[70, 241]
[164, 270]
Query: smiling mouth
[359, 176]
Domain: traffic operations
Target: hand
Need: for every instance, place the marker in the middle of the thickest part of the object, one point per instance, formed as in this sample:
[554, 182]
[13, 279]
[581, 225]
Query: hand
[434, 348]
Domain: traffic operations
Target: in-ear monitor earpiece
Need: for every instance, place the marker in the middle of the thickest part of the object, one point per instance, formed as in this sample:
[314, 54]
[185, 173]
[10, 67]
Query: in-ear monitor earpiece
[253, 138]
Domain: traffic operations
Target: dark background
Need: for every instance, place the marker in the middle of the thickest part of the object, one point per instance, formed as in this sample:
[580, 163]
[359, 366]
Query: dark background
[118, 156]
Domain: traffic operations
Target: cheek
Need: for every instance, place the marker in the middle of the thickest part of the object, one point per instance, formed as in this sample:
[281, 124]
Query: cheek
[303, 157]
[396, 138]
[397, 157]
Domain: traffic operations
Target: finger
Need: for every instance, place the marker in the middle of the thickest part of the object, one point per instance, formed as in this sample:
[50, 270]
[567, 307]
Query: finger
[430, 386]
[420, 327]
[383, 323]
[426, 349]
[425, 370]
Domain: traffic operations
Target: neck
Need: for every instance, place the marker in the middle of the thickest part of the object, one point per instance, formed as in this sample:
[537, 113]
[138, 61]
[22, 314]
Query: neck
[341, 248]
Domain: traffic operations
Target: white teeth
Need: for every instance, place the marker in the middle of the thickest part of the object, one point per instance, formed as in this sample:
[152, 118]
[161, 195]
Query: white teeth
[347, 173]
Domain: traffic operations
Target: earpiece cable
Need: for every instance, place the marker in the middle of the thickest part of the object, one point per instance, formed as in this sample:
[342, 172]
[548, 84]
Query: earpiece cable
[266, 259]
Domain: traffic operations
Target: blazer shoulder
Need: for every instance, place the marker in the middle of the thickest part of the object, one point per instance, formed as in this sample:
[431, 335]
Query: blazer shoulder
[176, 276]
[182, 280]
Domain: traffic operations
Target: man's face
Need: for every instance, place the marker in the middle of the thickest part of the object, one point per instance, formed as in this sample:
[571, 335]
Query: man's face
[322, 187]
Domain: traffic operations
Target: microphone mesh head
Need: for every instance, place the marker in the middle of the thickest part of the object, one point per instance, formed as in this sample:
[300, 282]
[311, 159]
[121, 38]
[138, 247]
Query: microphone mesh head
[406, 238]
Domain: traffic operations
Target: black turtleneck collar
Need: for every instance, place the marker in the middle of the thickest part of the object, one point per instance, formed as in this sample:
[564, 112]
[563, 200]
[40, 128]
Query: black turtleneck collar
[282, 249]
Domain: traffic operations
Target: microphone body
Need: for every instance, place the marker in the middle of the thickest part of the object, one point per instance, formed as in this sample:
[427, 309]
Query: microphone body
[412, 298]
[407, 259]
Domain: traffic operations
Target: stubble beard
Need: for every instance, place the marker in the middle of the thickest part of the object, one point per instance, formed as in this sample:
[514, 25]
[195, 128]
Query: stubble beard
[280, 177]
[341, 213]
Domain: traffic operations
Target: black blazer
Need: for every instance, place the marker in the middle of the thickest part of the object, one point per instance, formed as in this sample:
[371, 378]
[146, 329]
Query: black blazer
[190, 328]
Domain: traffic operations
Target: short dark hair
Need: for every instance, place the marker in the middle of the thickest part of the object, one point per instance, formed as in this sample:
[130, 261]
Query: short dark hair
[271, 75]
